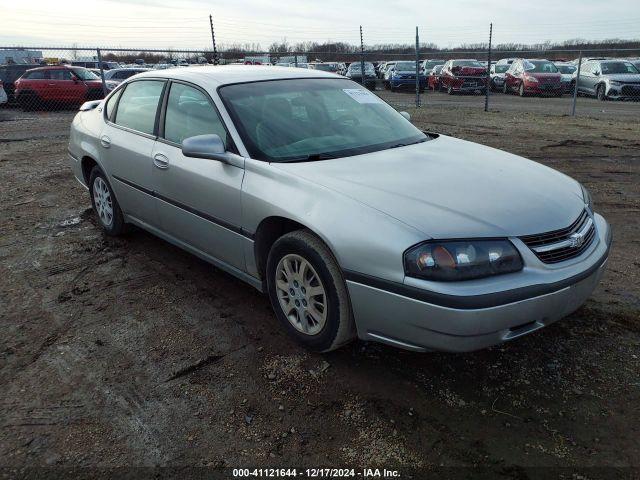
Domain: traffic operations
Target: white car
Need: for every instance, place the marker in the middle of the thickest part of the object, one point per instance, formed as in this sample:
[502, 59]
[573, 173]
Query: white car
[3, 94]
[119, 75]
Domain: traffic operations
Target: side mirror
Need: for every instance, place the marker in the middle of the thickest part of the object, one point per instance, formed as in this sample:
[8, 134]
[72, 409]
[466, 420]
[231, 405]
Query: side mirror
[406, 115]
[205, 146]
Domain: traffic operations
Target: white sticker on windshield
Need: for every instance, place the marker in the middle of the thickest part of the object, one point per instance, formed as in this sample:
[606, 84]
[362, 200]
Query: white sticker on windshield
[362, 96]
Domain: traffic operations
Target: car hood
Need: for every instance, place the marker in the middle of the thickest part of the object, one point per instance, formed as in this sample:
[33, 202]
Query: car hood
[623, 77]
[450, 188]
[468, 71]
[542, 76]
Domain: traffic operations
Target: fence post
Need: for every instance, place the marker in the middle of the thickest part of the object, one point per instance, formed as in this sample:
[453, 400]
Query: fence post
[488, 86]
[575, 89]
[417, 68]
[213, 40]
[104, 85]
[295, 59]
[362, 57]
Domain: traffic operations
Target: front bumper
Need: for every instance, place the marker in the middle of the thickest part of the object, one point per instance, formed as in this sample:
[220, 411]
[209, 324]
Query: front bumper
[390, 317]
[407, 82]
[624, 92]
[554, 89]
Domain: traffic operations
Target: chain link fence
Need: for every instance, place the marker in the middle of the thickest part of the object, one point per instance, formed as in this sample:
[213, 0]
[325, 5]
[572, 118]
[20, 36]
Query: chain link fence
[597, 82]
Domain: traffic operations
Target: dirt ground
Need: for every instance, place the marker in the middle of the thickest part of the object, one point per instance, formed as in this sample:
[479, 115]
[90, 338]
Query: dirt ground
[130, 352]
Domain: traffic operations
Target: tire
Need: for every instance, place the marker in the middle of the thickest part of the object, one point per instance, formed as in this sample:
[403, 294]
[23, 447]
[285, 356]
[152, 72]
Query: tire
[601, 93]
[105, 204]
[331, 326]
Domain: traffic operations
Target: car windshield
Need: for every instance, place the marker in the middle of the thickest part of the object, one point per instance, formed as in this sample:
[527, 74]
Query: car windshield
[406, 66]
[428, 64]
[540, 66]
[501, 68]
[618, 67]
[467, 63]
[84, 74]
[566, 69]
[313, 119]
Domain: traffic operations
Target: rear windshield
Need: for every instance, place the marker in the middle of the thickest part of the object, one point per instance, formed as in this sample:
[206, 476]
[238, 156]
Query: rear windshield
[540, 66]
[467, 63]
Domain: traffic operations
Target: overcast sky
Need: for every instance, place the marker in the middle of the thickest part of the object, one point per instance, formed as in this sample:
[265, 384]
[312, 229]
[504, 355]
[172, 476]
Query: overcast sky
[185, 24]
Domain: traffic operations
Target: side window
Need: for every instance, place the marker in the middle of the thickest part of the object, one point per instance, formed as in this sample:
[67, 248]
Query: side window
[189, 113]
[139, 104]
[36, 75]
[60, 75]
[111, 104]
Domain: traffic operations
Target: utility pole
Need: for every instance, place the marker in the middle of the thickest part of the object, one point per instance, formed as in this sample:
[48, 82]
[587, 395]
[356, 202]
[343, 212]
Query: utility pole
[575, 90]
[104, 85]
[362, 56]
[216, 60]
[417, 68]
[488, 84]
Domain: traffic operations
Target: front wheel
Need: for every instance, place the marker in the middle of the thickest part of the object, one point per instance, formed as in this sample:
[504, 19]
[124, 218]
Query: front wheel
[601, 93]
[308, 293]
[105, 204]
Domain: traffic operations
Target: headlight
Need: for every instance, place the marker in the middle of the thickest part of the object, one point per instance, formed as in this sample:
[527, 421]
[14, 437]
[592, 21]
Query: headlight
[587, 197]
[454, 260]
[531, 79]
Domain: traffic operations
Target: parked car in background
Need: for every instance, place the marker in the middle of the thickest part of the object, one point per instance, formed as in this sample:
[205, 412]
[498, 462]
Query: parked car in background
[119, 75]
[380, 69]
[354, 72]
[354, 223]
[3, 94]
[497, 72]
[426, 66]
[95, 64]
[386, 72]
[533, 77]
[433, 80]
[403, 75]
[163, 66]
[464, 76]
[609, 80]
[300, 65]
[506, 61]
[57, 86]
[566, 75]
[9, 74]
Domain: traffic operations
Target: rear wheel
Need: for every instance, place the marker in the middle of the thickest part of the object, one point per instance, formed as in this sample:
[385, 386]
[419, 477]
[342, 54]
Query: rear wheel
[308, 293]
[105, 204]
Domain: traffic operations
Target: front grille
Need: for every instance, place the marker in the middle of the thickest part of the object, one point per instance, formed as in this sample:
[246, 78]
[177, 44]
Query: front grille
[630, 91]
[564, 244]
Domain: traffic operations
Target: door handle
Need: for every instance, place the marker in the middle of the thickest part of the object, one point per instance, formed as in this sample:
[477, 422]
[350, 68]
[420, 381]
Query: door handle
[105, 141]
[161, 161]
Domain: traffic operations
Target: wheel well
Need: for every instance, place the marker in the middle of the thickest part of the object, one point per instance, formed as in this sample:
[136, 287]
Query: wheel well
[87, 165]
[269, 230]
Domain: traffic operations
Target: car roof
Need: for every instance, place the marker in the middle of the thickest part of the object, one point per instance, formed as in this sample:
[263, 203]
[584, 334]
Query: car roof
[215, 76]
[54, 67]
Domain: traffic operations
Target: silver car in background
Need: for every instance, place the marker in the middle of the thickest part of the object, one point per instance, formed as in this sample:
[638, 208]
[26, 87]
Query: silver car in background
[609, 80]
[355, 223]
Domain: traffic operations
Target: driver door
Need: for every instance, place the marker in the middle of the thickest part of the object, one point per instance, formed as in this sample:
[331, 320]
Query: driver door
[198, 199]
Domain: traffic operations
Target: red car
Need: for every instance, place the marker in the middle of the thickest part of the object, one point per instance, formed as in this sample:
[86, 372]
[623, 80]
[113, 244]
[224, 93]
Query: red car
[533, 77]
[57, 86]
[464, 76]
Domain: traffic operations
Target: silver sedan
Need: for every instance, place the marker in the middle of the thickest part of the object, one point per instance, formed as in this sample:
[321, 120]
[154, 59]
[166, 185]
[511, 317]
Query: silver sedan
[355, 223]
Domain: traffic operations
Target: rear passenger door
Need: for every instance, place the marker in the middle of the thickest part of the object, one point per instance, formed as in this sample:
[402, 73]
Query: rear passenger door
[126, 145]
[198, 199]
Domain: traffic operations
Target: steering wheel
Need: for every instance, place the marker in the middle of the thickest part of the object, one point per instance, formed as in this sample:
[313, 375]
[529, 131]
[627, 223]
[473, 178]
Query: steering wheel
[348, 118]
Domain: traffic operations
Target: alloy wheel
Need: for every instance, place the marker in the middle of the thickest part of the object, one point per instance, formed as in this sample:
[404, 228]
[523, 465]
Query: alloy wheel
[103, 202]
[301, 294]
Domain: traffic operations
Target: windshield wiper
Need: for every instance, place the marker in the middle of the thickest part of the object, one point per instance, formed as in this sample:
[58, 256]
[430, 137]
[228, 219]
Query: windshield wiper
[398, 145]
[312, 157]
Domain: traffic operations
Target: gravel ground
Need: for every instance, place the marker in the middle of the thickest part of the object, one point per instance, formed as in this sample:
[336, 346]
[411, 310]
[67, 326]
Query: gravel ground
[130, 352]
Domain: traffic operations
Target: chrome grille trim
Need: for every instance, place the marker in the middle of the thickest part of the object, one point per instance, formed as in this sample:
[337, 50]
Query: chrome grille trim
[564, 244]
